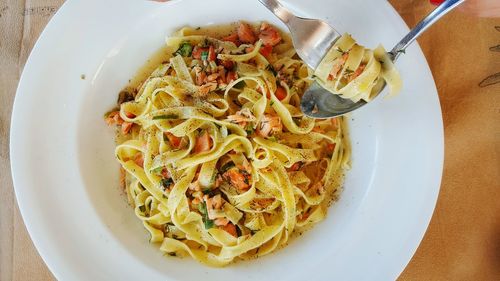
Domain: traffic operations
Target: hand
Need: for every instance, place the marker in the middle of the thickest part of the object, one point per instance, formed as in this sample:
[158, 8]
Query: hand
[478, 8]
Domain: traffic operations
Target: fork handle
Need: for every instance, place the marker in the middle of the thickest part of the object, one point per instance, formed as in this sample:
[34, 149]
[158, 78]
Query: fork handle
[429, 20]
[276, 8]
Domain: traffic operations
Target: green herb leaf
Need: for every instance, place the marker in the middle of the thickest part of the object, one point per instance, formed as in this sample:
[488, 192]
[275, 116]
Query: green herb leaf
[240, 85]
[271, 103]
[209, 223]
[167, 116]
[273, 138]
[204, 55]
[202, 207]
[157, 170]
[142, 208]
[226, 167]
[402, 51]
[249, 129]
[271, 68]
[167, 182]
[185, 49]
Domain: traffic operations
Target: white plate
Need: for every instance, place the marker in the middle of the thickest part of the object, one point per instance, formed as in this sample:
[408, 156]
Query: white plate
[66, 178]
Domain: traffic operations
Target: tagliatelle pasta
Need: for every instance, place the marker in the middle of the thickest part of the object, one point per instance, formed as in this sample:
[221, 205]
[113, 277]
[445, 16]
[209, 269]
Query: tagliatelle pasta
[217, 159]
[356, 73]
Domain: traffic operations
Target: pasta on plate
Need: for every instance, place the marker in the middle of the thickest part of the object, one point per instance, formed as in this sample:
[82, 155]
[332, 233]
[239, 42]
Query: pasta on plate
[217, 159]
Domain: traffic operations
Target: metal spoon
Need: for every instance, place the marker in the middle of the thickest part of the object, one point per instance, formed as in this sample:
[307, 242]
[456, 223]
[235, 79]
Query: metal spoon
[313, 39]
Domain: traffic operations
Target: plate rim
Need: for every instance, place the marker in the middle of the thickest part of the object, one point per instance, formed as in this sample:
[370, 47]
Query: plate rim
[13, 131]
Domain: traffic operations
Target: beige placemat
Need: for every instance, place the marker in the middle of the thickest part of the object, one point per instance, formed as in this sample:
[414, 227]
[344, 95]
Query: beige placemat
[463, 240]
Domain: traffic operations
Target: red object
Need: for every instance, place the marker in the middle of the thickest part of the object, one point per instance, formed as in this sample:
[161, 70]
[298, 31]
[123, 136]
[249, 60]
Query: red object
[269, 35]
[437, 2]
[266, 50]
[197, 51]
[280, 93]
[231, 76]
[174, 141]
[211, 53]
[229, 65]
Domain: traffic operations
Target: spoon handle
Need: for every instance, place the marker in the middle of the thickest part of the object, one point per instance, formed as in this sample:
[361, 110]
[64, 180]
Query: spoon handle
[429, 20]
[276, 8]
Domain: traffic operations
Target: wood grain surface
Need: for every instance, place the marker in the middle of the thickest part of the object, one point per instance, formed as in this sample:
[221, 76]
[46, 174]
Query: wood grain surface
[463, 239]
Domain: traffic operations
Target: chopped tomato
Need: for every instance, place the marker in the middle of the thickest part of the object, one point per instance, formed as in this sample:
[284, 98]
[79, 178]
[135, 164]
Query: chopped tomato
[165, 174]
[295, 166]
[231, 229]
[330, 147]
[269, 35]
[280, 93]
[231, 76]
[211, 53]
[245, 33]
[229, 65]
[232, 38]
[130, 115]
[203, 142]
[139, 159]
[266, 51]
[174, 141]
[238, 178]
[126, 127]
[198, 51]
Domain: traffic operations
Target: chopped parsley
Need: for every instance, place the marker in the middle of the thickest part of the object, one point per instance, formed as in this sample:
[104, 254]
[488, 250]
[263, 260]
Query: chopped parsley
[167, 182]
[157, 170]
[202, 207]
[249, 129]
[166, 116]
[240, 85]
[271, 68]
[402, 51]
[185, 49]
[226, 167]
[273, 138]
[204, 55]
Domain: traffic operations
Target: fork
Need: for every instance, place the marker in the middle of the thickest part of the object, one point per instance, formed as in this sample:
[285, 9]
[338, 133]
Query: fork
[313, 38]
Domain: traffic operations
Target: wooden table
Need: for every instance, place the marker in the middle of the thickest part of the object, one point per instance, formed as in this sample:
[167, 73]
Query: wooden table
[463, 239]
